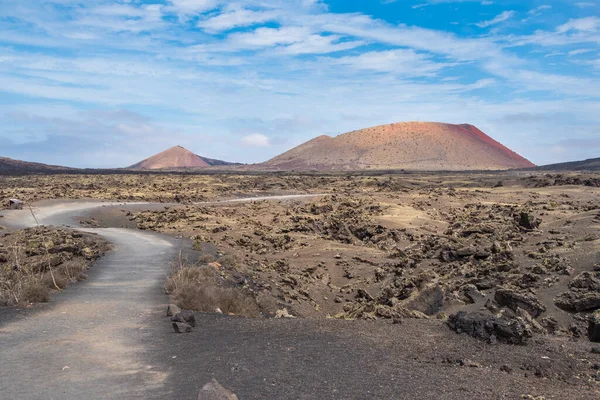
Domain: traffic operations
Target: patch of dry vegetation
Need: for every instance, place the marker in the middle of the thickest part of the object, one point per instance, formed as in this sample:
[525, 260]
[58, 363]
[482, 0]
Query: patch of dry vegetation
[36, 261]
[211, 287]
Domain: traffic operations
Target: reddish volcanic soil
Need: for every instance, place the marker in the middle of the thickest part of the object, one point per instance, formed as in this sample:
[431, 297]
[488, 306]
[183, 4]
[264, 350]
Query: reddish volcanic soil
[406, 145]
[175, 157]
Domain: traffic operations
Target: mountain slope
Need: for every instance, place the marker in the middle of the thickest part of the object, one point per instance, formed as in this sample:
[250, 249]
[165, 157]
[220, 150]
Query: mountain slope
[8, 166]
[592, 164]
[177, 157]
[406, 145]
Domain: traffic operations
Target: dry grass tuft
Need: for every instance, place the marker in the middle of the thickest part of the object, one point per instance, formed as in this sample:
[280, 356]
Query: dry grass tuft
[203, 288]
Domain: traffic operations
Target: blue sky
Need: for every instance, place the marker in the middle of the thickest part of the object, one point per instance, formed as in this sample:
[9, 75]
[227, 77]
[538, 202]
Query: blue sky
[105, 83]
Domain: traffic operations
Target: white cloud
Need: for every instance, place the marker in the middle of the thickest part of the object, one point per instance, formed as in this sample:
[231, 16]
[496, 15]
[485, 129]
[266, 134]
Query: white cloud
[401, 61]
[496, 20]
[579, 51]
[587, 24]
[185, 7]
[540, 9]
[256, 140]
[585, 4]
[234, 18]
[267, 37]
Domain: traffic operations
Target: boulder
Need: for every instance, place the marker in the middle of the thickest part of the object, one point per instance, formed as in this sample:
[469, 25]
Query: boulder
[594, 327]
[514, 300]
[181, 327]
[578, 301]
[528, 221]
[215, 391]
[172, 309]
[586, 280]
[472, 293]
[429, 300]
[187, 317]
[502, 328]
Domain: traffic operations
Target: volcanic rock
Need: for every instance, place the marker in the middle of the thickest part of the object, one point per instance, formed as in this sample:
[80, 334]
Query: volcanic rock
[215, 391]
[594, 327]
[172, 309]
[578, 301]
[514, 300]
[491, 328]
[186, 317]
[181, 327]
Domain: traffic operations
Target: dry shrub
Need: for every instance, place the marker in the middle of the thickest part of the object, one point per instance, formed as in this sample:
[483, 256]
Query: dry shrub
[229, 261]
[201, 288]
[34, 291]
[206, 258]
[31, 267]
[267, 303]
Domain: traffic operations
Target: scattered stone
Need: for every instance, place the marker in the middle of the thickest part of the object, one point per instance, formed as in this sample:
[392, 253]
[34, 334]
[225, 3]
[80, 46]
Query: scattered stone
[283, 314]
[594, 327]
[215, 265]
[506, 368]
[586, 280]
[181, 327]
[186, 317]
[578, 301]
[363, 294]
[172, 309]
[491, 328]
[215, 391]
[514, 300]
[472, 293]
[551, 325]
[528, 221]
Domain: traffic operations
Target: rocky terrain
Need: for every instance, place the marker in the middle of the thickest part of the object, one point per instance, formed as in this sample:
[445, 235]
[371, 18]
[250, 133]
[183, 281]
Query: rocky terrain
[487, 250]
[406, 145]
[36, 261]
[473, 280]
[378, 247]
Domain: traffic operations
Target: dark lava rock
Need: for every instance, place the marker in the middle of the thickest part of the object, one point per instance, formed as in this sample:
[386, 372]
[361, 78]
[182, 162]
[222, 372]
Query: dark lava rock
[363, 294]
[181, 327]
[490, 328]
[429, 301]
[594, 327]
[578, 301]
[528, 221]
[514, 299]
[472, 293]
[172, 309]
[586, 280]
[215, 391]
[187, 317]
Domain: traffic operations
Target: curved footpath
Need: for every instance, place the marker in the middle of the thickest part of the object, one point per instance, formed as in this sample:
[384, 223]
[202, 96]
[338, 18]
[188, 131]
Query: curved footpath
[108, 338]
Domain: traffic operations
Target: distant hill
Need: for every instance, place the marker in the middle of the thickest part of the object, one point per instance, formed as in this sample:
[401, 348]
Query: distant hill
[408, 145]
[592, 164]
[8, 166]
[177, 157]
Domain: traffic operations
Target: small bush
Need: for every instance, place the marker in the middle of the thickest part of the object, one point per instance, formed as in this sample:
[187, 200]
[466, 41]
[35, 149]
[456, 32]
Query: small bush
[229, 261]
[201, 288]
[206, 258]
[35, 292]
